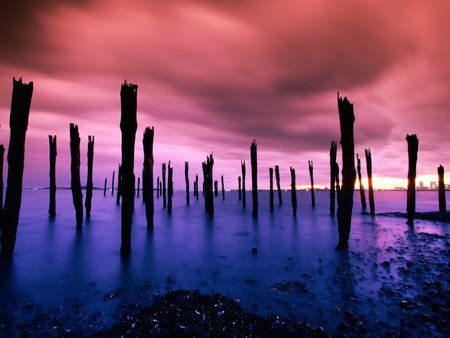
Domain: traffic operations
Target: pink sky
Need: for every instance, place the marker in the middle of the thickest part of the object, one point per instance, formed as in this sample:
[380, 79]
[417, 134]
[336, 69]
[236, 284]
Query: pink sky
[213, 76]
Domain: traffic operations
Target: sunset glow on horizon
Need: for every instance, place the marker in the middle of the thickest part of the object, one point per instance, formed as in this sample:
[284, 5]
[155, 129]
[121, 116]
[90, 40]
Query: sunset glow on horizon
[214, 75]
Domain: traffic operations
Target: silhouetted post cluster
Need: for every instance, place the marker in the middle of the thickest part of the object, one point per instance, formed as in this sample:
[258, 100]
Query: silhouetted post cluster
[334, 176]
[75, 182]
[254, 163]
[271, 189]
[147, 176]
[169, 188]
[442, 202]
[413, 148]
[311, 178]
[53, 153]
[128, 126]
[186, 179]
[244, 197]
[277, 177]
[89, 184]
[293, 192]
[216, 188]
[347, 119]
[18, 123]
[119, 184]
[369, 178]
[208, 184]
[361, 186]
[164, 184]
[223, 189]
[239, 188]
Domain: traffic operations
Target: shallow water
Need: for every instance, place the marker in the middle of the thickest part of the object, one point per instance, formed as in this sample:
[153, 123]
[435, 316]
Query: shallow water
[81, 278]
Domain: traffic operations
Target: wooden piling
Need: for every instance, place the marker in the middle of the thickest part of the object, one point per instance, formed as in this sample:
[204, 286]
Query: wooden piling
[413, 148]
[361, 186]
[169, 188]
[128, 126]
[164, 184]
[369, 178]
[53, 153]
[147, 177]
[311, 178]
[441, 187]
[254, 163]
[196, 187]
[138, 187]
[293, 192]
[223, 189]
[207, 167]
[239, 188]
[244, 194]
[277, 177]
[333, 156]
[112, 183]
[2, 155]
[216, 188]
[119, 185]
[18, 123]
[89, 183]
[346, 119]
[157, 187]
[271, 189]
[104, 187]
[186, 179]
[75, 183]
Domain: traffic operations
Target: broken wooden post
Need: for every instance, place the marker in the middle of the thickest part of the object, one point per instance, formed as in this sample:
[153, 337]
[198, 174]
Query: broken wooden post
[413, 147]
[169, 188]
[53, 153]
[164, 184]
[104, 187]
[18, 123]
[216, 188]
[293, 192]
[244, 198]
[369, 178]
[75, 174]
[196, 187]
[89, 184]
[271, 189]
[345, 207]
[333, 155]
[361, 186]
[442, 202]
[112, 183]
[128, 126]
[208, 184]
[223, 189]
[2, 155]
[254, 163]
[239, 188]
[277, 177]
[138, 186]
[338, 186]
[119, 184]
[147, 177]
[157, 187]
[311, 178]
[186, 179]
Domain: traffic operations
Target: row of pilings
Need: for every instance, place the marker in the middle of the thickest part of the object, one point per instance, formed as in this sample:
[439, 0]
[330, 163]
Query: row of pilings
[343, 194]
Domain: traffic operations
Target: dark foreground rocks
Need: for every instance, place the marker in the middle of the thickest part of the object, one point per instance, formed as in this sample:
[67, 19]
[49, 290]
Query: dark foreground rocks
[192, 314]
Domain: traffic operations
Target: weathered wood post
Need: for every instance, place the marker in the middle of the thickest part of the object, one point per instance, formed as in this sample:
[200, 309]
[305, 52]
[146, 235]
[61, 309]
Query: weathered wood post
[119, 184]
[157, 187]
[361, 186]
[186, 179]
[208, 184]
[293, 192]
[277, 177]
[112, 183]
[169, 188]
[160, 188]
[18, 123]
[223, 189]
[147, 177]
[104, 187]
[413, 148]
[254, 162]
[196, 187]
[75, 183]
[369, 177]
[2, 155]
[271, 189]
[53, 153]
[333, 178]
[164, 184]
[216, 188]
[138, 187]
[244, 195]
[311, 178]
[128, 126]
[239, 188]
[345, 207]
[89, 183]
[442, 202]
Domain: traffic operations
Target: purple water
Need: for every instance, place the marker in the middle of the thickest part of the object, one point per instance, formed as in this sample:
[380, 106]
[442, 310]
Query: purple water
[81, 277]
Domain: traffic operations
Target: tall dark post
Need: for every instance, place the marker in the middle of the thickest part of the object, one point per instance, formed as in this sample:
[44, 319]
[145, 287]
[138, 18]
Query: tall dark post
[75, 174]
[104, 187]
[244, 195]
[196, 187]
[53, 153]
[333, 178]
[169, 188]
[208, 184]
[271, 188]
[311, 178]
[239, 188]
[442, 202]
[223, 189]
[216, 188]
[89, 184]
[147, 177]
[293, 192]
[361, 186]
[369, 177]
[164, 184]
[157, 187]
[338, 186]
[112, 183]
[254, 162]
[277, 177]
[138, 186]
[160, 188]
[186, 179]
[2, 155]
[345, 207]
[413, 148]
[128, 126]
[18, 123]
[119, 184]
